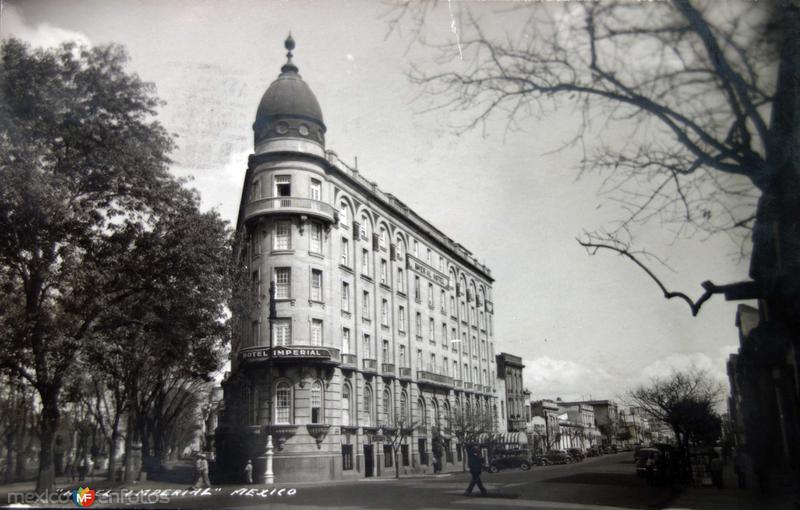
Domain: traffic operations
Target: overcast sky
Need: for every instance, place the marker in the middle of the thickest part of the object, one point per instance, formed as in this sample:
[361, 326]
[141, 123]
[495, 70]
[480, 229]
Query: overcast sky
[586, 326]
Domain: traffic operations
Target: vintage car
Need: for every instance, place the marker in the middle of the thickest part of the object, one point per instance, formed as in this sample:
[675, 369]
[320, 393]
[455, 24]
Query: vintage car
[509, 462]
[559, 457]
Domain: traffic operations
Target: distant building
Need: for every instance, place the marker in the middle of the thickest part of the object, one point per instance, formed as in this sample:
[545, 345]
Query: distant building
[509, 368]
[547, 410]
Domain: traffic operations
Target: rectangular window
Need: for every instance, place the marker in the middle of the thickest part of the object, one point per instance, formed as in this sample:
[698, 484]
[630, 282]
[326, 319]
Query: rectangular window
[417, 291]
[432, 366]
[283, 186]
[367, 347]
[402, 355]
[345, 297]
[444, 336]
[316, 332]
[416, 249]
[443, 301]
[365, 262]
[282, 238]
[316, 285]
[431, 338]
[316, 238]
[445, 366]
[347, 457]
[429, 256]
[255, 243]
[283, 282]
[401, 285]
[254, 333]
[315, 190]
[452, 306]
[255, 284]
[418, 325]
[255, 191]
[430, 295]
[386, 356]
[346, 347]
[365, 305]
[385, 312]
[283, 332]
[455, 369]
[388, 456]
[419, 359]
[454, 337]
[345, 252]
[401, 319]
[384, 272]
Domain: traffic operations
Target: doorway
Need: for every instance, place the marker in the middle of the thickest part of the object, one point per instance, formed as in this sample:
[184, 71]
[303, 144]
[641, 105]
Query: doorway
[368, 460]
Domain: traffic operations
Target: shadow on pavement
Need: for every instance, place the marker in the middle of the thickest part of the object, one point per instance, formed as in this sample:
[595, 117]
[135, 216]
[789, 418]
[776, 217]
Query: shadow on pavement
[618, 479]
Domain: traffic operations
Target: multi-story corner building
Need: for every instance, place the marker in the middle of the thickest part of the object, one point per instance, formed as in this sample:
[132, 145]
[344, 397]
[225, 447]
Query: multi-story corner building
[577, 425]
[509, 368]
[382, 322]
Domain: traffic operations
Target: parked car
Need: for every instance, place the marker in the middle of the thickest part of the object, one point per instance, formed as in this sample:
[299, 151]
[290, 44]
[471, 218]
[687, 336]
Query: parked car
[559, 457]
[594, 451]
[576, 454]
[509, 462]
[540, 460]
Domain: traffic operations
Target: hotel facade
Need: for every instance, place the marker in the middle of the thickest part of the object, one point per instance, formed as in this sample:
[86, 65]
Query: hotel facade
[380, 320]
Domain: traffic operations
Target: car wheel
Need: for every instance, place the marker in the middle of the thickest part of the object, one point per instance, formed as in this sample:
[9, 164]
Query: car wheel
[493, 469]
[524, 466]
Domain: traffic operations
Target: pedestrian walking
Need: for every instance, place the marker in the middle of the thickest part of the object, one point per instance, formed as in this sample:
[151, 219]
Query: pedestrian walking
[201, 467]
[475, 466]
[248, 472]
[741, 465]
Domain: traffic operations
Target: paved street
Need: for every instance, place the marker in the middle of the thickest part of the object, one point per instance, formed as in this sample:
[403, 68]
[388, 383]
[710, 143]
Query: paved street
[604, 483]
[596, 484]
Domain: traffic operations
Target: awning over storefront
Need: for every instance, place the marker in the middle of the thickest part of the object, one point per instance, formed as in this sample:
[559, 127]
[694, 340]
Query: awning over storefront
[511, 438]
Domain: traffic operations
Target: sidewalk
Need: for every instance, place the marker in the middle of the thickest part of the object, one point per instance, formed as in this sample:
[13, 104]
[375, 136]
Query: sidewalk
[730, 497]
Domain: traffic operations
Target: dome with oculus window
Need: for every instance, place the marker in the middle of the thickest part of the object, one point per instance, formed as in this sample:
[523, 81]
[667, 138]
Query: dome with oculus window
[288, 109]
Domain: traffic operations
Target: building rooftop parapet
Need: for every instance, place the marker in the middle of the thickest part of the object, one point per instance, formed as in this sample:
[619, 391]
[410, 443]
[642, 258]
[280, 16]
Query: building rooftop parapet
[402, 209]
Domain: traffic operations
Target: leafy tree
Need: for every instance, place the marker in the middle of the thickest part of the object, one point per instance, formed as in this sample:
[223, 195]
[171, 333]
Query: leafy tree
[685, 401]
[84, 205]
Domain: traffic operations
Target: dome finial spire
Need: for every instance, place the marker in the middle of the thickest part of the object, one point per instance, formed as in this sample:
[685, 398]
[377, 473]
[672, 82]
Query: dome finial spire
[289, 65]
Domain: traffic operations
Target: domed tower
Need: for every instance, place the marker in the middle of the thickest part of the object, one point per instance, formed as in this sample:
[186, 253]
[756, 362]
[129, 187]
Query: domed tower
[285, 360]
[289, 117]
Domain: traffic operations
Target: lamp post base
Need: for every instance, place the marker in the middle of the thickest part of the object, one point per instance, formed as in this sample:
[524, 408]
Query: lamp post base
[269, 476]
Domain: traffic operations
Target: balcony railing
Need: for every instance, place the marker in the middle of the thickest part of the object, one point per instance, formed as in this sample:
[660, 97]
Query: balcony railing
[467, 385]
[423, 376]
[405, 373]
[298, 205]
[371, 365]
[387, 368]
[349, 361]
[458, 383]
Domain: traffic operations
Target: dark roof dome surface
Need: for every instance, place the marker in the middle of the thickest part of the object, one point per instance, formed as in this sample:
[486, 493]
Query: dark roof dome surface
[288, 108]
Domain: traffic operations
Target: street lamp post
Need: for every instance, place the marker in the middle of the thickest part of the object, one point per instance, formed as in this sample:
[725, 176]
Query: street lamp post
[269, 476]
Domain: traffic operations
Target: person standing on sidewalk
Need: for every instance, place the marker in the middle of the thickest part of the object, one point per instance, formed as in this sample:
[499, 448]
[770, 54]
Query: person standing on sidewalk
[248, 472]
[201, 467]
[475, 467]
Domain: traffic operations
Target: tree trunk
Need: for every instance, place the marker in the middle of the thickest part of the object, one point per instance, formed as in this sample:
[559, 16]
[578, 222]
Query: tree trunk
[9, 457]
[47, 434]
[112, 451]
[396, 461]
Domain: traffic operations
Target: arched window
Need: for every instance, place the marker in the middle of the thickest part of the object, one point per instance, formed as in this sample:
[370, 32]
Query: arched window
[388, 415]
[364, 227]
[368, 407]
[446, 416]
[346, 407]
[399, 249]
[317, 414]
[382, 238]
[344, 213]
[423, 418]
[283, 403]
[404, 408]
[435, 407]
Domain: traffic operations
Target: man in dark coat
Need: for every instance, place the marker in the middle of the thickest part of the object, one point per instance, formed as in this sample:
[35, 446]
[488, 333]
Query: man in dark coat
[475, 466]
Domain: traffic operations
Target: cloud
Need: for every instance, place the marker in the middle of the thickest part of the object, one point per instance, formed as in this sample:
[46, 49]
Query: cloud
[43, 35]
[681, 362]
[549, 378]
